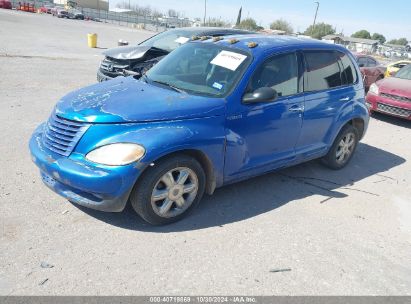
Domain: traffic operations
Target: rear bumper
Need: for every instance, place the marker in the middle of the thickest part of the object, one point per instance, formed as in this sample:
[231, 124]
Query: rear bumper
[388, 106]
[82, 182]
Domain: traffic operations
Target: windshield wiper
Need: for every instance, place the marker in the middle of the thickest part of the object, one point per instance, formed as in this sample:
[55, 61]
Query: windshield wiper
[169, 86]
[145, 78]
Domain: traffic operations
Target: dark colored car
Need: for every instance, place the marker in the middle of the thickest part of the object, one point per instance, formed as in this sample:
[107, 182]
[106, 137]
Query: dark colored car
[371, 69]
[392, 95]
[63, 14]
[209, 114]
[75, 14]
[5, 4]
[138, 59]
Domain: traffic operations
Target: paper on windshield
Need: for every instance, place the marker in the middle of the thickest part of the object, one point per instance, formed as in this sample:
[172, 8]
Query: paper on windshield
[229, 60]
[182, 40]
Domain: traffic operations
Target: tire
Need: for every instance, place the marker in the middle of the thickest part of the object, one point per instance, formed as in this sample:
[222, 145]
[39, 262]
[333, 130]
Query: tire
[168, 207]
[334, 159]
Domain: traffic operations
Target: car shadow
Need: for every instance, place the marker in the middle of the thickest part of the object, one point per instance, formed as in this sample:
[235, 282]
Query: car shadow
[392, 120]
[247, 199]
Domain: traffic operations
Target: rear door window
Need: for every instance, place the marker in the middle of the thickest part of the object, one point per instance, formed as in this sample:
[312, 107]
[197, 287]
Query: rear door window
[322, 71]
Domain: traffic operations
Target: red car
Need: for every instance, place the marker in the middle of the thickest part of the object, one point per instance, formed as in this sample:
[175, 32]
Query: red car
[392, 95]
[5, 4]
[46, 9]
[371, 70]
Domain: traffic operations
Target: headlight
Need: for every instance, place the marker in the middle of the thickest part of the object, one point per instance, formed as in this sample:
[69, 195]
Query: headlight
[120, 154]
[374, 89]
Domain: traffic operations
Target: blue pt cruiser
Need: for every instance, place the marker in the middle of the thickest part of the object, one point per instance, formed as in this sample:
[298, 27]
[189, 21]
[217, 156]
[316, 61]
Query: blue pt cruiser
[213, 112]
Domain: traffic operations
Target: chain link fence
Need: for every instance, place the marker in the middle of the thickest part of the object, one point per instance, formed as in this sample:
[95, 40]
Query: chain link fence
[130, 19]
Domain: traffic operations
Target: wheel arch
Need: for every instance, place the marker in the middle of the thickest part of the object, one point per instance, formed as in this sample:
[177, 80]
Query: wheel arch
[202, 158]
[357, 122]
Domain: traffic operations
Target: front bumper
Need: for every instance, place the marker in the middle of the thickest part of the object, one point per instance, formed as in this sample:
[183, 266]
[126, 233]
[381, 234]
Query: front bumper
[82, 182]
[388, 106]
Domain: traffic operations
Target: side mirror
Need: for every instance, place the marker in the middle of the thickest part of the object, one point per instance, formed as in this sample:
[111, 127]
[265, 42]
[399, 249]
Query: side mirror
[264, 94]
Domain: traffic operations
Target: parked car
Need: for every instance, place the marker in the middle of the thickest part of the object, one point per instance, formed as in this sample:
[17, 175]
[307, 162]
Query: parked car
[63, 14]
[60, 12]
[207, 115]
[75, 14]
[49, 8]
[395, 67]
[46, 9]
[138, 59]
[42, 9]
[5, 4]
[392, 95]
[371, 70]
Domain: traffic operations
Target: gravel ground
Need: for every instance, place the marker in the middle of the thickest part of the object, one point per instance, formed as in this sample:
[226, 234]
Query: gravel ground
[337, 233]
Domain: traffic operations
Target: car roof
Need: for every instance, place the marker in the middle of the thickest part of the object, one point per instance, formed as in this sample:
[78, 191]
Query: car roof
[273, 42]
[203, 31]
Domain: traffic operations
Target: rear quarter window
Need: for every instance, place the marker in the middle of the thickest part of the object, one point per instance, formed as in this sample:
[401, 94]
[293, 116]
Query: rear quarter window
[349, 73]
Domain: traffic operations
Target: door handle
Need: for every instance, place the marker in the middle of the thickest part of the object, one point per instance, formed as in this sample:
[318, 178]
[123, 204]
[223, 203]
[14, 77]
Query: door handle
[345, 99]
[296, 109]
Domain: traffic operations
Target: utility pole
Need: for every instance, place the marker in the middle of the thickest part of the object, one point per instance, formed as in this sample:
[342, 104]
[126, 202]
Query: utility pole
[205, 11]
[315, 17]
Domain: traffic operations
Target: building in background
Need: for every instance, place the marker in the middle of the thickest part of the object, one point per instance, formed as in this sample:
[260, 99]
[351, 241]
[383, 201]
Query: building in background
[358, 45]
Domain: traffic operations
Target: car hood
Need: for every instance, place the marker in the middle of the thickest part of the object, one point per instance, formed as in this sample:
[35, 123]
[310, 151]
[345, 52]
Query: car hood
[125, 99]
[395, 86]
[127, 52]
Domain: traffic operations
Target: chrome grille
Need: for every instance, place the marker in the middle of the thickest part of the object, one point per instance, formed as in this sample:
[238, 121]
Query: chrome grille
[62, 135]
[393, 110]
[112, 66]
[396, 97]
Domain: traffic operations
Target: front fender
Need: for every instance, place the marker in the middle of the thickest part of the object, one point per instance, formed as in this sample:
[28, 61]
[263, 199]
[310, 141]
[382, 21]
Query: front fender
[160, 139]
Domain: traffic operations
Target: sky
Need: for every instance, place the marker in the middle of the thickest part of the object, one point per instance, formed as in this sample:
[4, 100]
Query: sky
[390, 18]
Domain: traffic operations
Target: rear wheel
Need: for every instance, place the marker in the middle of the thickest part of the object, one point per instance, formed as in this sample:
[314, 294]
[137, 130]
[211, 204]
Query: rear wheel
[342, 149]
[168, 191]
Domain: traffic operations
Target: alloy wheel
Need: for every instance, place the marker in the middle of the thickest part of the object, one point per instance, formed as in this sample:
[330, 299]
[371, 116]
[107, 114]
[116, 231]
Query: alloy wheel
[174, 192]
[345, 148]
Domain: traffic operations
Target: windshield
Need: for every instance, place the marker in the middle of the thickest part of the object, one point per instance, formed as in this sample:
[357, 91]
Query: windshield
[169, 40]
[201, 68]
[404, 73]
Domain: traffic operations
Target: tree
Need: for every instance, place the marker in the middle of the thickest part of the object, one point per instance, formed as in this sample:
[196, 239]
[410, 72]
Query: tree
[364, 34]
[214, 22]
[319, 30]
[248, 24]
[282, 25]
[381, 38]
[239, 17]
[401, 41]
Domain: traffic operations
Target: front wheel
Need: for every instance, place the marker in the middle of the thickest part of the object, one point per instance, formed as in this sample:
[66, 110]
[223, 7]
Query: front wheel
[342, 149]
[167, 192]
